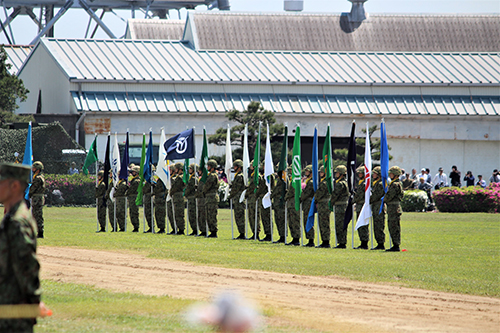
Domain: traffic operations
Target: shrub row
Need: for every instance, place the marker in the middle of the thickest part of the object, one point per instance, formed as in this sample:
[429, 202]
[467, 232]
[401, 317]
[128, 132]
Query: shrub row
[66, 190]
[468, 199]
[414, 201]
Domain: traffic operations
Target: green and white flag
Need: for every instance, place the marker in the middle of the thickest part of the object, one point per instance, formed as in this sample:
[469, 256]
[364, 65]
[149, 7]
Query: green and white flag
[256, 160]
[91, 156]
[327, 160]
[296, 168]
[204, 158]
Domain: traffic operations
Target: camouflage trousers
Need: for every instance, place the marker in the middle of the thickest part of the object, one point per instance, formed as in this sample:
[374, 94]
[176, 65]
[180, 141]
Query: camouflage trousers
[293, 219]
[120, 212]
[212, 205]
[339, 223]
[324, 220]
[279, 218]
[191, 208]
[393, 222]
[363, 232]
[253, 214]
[378, 224]
[133, 211]
[160, 213]
[170, 214]
[179, 208]
[239, 214]
[101, 213]
[202, 215]
[37, 203]
[111, 213]
[265, 215]
[306, 205]
[146, 203]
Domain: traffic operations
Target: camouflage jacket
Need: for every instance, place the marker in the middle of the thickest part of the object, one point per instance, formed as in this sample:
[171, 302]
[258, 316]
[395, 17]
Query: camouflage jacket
[322, 194]
[177, 185]
[199, 189]
[190, 187]
[251, 187]
[377, 192]
[237, 186]
[100, 190]
[108, 191]
[37, 186]
[211, 185]
[290, 193]
[279, 192]
[359, 194]
[159, 190]
[146, 190]
[308, 192]
[121, 188]
[340, 192]
[19, 267]
[133, 187]
[262, 189]
[394, 192]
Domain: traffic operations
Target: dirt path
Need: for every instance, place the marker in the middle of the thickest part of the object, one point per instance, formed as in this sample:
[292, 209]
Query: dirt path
[326, 303]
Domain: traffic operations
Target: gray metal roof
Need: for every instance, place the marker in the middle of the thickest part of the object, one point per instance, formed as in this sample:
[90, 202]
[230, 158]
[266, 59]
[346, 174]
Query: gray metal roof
[16, 55]
[163, 61]
[330, 32]
[334, 105]
[155, 29]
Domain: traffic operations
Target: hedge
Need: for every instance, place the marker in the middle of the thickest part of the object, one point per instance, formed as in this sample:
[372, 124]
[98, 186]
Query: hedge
[66, 190]
[414, 201]
[468, 199]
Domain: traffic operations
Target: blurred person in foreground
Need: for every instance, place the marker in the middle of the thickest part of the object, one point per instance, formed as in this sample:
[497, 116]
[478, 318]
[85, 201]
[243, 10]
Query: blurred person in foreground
[19, 267]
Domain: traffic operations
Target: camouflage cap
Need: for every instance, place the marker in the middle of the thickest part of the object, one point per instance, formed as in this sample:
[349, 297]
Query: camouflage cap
[341, 169]
[377, 170]
[15, 171]
[100, 173]
[212, 163]
[360, 169]
[193, 166]
[179, 166]
[136, 168]
[38, 165]
[395, 170]
[322, 169]
[153, 168]
[308, 168]
[238, 164]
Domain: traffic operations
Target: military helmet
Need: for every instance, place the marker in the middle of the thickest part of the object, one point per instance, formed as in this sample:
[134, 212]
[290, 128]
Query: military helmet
[238, 164]
[341, 169]
[360, 169]
[395, 170]
[308, 168]
[100, 173]
[377, 170]
[15, 171]
[212, 163]
[322, 169]
[38, 165]
[193, 166]
[179, 166]
[136, 168]
[153, 168]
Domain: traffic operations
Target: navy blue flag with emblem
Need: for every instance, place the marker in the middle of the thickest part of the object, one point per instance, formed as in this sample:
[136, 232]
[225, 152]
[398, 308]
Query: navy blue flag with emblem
[180, 146]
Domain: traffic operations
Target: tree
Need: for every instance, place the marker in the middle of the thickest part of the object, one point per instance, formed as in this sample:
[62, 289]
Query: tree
[254, 114]
[11, 87]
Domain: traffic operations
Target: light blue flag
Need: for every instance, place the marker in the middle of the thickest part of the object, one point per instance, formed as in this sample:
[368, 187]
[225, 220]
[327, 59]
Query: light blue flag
[28, 158]
[384, 160]
[313, 210]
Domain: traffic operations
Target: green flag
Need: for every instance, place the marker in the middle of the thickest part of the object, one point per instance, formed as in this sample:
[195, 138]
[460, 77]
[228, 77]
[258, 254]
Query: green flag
[204, 158]
[256, 160]
[185, 175]
[138, 200]
[296, 169]
[91, 156]
[327, 160]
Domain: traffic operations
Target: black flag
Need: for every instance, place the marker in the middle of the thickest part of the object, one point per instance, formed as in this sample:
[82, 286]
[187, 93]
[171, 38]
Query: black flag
[351, 173]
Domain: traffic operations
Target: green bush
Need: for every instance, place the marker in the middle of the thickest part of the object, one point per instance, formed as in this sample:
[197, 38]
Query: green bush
[468, 199]
[414, 201]
[75, 190]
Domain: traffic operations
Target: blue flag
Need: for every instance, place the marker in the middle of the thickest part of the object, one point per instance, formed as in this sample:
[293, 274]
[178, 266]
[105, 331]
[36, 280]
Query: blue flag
[28, 158]
[149, 159]
[180, 146]
[313, 210]
[384, 160]
[125, 162]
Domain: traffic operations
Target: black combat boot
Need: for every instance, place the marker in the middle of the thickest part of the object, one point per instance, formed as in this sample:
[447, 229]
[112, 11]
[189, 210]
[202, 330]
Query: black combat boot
[340, 246]
[253, 237]
[161, 231]
[363, 246]
[40, 234]
[171, 232]
[395, 248]
[295, 242]
[379, 247]
[136, 229]
[148, 231]
[310, 243]
[325, 245]
[266, 239]
[213, 235]
[241, 236]
[180, 232]
[281, 240]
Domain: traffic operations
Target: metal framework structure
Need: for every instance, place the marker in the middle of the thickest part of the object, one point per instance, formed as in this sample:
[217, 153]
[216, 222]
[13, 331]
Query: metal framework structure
[47, 16]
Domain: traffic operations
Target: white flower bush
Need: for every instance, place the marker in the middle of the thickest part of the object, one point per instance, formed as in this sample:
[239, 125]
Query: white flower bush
[414, 201]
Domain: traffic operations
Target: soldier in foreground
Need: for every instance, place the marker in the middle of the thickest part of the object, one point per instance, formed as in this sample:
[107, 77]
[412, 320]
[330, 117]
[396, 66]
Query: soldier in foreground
[306, 199]
[376, 202]
[37, 196]
[100, 192]
[339, 198]
[237, 187]
[393, 199]
[322, 198]
[132, 196]
[190, 195]
[359, 200]
[19, 265]
[210, 190]
[293, 217]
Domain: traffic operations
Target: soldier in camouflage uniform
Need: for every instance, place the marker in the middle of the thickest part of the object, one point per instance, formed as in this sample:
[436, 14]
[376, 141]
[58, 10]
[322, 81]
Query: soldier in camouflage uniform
[375, 202]
[37, 195]
[120, 198]
[359, 200]
[190, 195]
[339, 198]
[110, 204]
[159, 192]
[100, 192]
[132, 196]
[393, 199]
[202, 212]
[278, 198]
[322, 198]
[293, 217]
[306, 199]
[176, 192]
[265, 214]
[170, 210]
[253, 208]
[210, 191]
[19, 267]
[237, 187]
[147, 191]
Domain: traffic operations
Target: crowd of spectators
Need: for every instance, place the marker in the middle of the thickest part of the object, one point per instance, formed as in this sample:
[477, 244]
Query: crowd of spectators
[425, 181]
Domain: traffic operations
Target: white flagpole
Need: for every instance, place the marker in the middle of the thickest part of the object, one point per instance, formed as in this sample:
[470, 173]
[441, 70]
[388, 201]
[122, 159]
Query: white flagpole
[256, 218]
[301, 227]
[143, 215]
[166, 219]
[152, 209]
[97, 199]
[126, 215]
[352, 222]
[246, 218]
[231, 212]
[318, 230]
[271, 221]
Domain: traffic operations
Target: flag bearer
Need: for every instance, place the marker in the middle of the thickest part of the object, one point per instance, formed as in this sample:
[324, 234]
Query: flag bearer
[359, 200]
[253, 209]
[148, 213]
[375, 201]
[293, 217]
[210, 191]
[37, 195]
[322, 198]
[190, 195]
[339, 198]
[100, 192]
[278, 197]
[160, 192]
[306, 199]
[176, 192]
[110, 203]
[131, 194]
[237, 187]
[393, 199]
[265, 214]
[200, 201]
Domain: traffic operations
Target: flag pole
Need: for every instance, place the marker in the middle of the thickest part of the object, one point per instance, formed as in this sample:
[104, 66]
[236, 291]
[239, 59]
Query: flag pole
[256, 219]
[97, 199]
[352, 222]
[232, 222]
[166, 209]
[371, 230]
[143, 215]
[246, 218]
[271, 222]
[301, 227]
[152, 209]
[196, 200]
[114, 213]
[126, 215]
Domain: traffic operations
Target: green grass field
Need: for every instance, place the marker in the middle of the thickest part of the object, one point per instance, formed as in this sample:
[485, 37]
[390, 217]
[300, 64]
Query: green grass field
[456, 253]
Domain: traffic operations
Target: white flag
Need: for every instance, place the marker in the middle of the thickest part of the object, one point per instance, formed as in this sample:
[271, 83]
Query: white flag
[246, 158]
[366, 211]
[229, 159]
[268, 171]
[115, 167]
[162, 169]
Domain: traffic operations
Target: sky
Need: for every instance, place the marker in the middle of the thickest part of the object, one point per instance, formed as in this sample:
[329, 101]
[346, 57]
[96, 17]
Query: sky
[74, 22]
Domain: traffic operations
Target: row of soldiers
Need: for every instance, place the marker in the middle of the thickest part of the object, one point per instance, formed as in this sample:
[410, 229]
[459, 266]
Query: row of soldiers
[202, 201]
